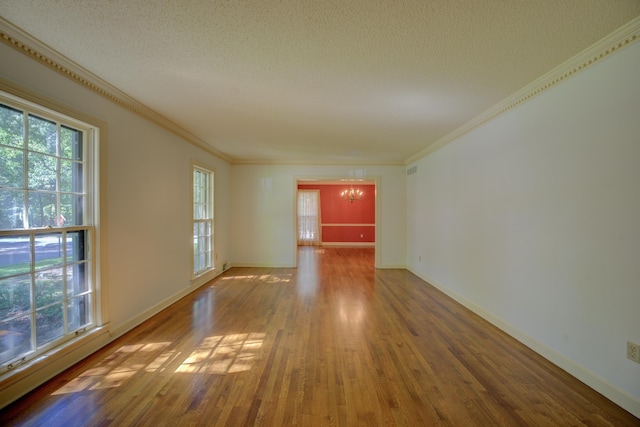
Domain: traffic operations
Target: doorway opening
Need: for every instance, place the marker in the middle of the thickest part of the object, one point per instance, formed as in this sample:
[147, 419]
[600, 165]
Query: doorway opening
[336, 213]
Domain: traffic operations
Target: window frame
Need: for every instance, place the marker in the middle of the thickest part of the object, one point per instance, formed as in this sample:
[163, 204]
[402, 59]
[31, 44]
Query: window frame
[209, 221]
[32, 105]
[304, 218]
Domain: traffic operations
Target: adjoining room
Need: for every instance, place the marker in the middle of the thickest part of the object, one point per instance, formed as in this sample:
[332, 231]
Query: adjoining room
[302, 213]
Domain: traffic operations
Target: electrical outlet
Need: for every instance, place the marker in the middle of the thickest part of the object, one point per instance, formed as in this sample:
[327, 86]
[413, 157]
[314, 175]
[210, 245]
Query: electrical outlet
[633, 351]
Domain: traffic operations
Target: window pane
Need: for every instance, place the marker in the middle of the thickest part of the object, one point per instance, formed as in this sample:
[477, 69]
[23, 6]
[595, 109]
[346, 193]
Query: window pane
[49, 287]
[15, 255]
[70, 176]
[42, 172]
[76, 248]
[202, 226]
[15, 297]
[11, 127]
[203, 196]
[308, 226]
[42, 135]
[48, 250]
[79, 312]
[49, 324]
[12, 167]
[205, 209]
[45, 281]
[71, 206]
[70, 143]
[196, 192]
[42, 209]
[11, 209]
[76, 279]
[15, 339]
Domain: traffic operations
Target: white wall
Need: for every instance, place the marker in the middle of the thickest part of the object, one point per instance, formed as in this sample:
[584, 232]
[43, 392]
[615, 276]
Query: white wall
[533, 220]
[148, 179]
[264, 211]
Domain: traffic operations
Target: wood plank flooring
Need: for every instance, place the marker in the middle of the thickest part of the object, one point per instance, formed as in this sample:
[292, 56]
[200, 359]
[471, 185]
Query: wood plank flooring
[334, 342]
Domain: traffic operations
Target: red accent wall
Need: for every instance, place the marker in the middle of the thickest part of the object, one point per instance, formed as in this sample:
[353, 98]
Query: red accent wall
[335, 210]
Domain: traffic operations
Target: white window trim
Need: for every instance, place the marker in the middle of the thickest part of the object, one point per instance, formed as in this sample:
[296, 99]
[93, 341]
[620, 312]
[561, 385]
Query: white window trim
[204, 273]
[54, 358]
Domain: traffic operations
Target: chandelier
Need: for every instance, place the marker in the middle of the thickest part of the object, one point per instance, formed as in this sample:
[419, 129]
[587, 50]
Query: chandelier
[351, 194]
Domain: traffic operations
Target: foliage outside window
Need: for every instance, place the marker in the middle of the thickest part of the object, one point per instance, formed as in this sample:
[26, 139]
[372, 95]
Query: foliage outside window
[202, 220]
[47, 294]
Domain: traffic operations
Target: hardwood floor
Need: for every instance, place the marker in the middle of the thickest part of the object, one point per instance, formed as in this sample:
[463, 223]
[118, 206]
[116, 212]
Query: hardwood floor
[334, 342]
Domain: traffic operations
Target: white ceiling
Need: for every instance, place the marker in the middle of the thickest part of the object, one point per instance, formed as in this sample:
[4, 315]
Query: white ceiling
[349, 81]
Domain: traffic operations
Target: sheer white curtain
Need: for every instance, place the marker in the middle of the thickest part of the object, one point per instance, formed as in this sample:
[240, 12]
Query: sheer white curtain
[309, 230]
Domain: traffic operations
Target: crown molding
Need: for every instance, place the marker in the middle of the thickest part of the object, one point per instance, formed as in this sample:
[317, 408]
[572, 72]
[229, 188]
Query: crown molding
[34, 48]
[267, 162]
[620, 38]
[41, 52]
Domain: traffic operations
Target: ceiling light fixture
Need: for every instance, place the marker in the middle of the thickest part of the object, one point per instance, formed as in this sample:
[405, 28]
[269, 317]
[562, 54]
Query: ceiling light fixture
[351, 194]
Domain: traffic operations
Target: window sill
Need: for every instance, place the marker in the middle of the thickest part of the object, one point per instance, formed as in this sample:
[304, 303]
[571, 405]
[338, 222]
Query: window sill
[28, 376]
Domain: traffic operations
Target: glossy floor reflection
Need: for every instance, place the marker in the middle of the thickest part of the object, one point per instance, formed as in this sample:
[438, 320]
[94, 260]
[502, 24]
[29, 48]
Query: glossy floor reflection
[333, 342]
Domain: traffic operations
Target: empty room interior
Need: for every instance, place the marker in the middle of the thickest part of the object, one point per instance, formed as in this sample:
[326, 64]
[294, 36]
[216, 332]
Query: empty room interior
[320, 213]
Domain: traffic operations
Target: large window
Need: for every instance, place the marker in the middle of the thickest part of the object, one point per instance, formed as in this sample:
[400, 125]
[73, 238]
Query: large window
[47, 286]
[202, 220]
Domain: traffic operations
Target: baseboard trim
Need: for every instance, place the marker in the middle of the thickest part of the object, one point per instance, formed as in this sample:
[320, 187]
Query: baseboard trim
[619, 397]
[348, 244]
[392, 267]
[35, 373]
[27, 378]
[261, 265]
[122, 329]
[206, 277]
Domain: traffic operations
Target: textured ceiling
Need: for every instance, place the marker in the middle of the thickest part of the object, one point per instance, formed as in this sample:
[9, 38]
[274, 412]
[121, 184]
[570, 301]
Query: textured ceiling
[319, 81]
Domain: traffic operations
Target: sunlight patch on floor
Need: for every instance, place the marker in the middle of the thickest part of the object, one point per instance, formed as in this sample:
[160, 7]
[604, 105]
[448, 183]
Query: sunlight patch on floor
[268, 278]
[113, 371]
[224, 354]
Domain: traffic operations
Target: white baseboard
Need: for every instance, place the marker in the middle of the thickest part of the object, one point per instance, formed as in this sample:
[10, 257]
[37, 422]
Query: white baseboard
[392, 267]
[262, 265]
[603, 387]
[35, 373]
[348, 244]
[119, 330]
[206, 277]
